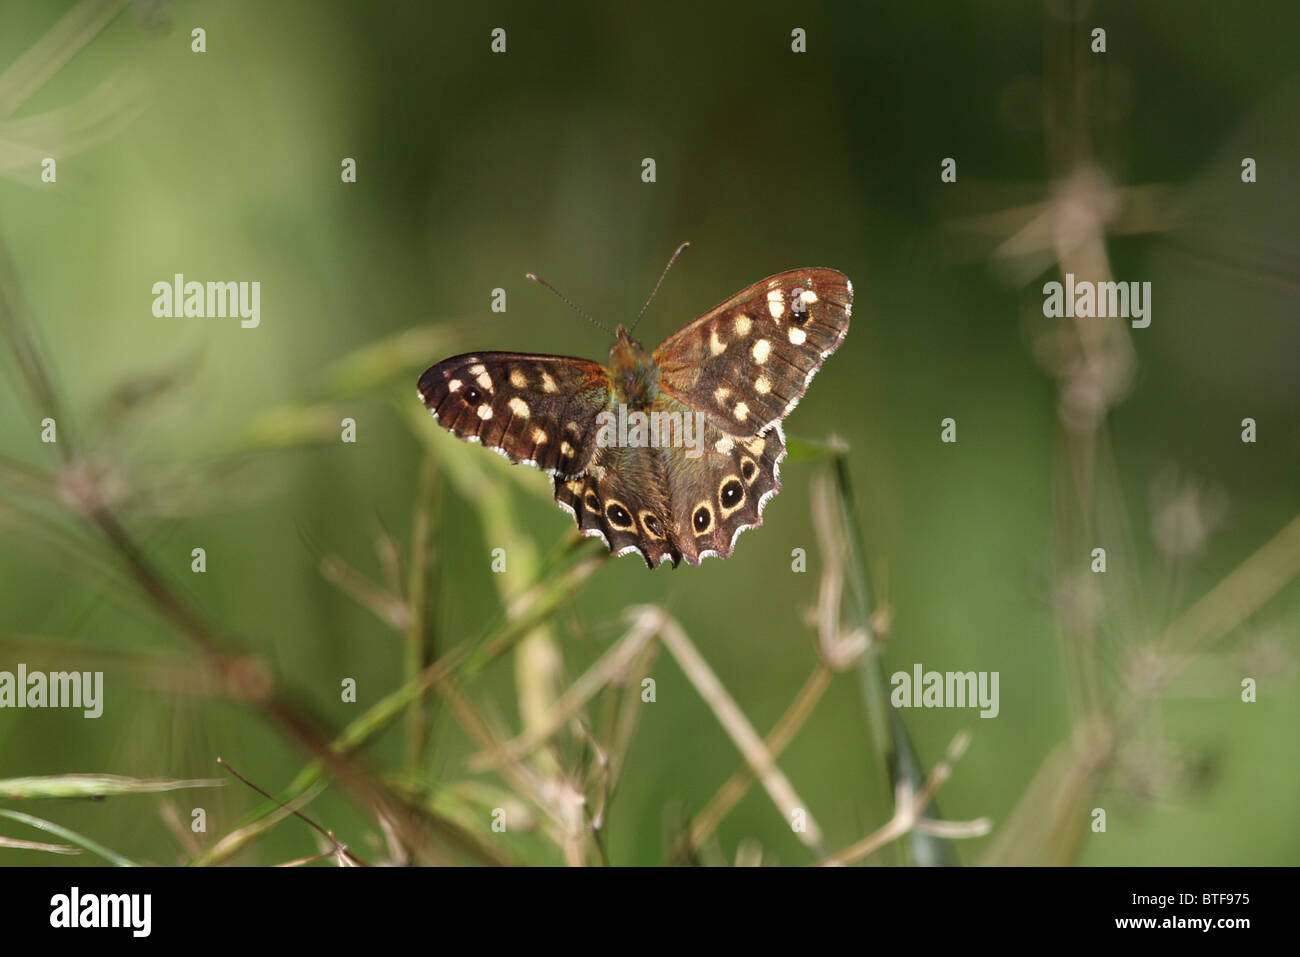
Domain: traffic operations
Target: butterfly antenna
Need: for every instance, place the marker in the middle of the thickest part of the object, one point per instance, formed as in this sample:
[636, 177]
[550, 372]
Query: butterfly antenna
[671, 260]
[572, 305]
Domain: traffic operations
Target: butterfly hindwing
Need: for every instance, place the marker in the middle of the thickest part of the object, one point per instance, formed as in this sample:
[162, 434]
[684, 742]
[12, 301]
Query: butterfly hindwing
[669, 505]
[623, 500]
[747, 362]
[724, 492]
[535, 409]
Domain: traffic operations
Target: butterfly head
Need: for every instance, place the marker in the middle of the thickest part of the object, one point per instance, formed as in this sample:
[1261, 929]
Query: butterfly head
[634, 372]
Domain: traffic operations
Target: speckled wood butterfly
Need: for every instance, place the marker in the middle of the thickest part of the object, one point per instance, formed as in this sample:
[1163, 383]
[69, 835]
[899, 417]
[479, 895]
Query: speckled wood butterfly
[671, 454]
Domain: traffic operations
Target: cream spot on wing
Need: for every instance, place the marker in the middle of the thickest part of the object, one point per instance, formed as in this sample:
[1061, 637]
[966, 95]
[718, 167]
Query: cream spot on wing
[597, 472]
[548, 384]
[761, 350]
[776, 303]
[453, 385]
[566, 449]
[716, 345]
[809, 297]
[485, 382]
[724, 445]
[742, 412]
[518, 379]
[485, 411]
[762, 385]
[519, 407]
[721, 394]
[477, 369]
[797, 336]
[539, 436]
[742, 326]
[756, 447]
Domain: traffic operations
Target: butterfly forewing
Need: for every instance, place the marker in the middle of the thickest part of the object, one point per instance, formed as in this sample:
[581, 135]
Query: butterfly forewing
[535, 409]
[747, 362]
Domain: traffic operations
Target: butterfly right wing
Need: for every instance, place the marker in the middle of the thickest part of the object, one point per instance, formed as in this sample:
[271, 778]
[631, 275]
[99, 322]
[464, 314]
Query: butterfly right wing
[535, 409]
[722, 493]
[746, 362]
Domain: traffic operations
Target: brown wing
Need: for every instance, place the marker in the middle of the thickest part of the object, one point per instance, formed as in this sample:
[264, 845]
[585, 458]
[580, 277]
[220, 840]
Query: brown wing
[670, 503]
[747, 362]
[535, 409]
[724, 492]
[623, 500]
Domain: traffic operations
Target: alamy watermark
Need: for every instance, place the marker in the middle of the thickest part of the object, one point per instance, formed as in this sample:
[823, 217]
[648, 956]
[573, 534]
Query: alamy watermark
[133, 912]
[1085, 299]
[635, 429]
[216, 300]
[946, 689]
[53, 689]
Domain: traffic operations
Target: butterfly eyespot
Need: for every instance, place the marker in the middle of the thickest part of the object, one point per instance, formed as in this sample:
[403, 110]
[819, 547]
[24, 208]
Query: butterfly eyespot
[732, 493]
[592, 502]
[472, 395]
[651, 525]
[618, 516]
[747, 470]
[703, 519]
[731, 496]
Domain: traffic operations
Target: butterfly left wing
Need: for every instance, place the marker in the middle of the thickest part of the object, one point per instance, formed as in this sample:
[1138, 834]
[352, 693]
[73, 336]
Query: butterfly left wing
[622, 499]
[747, 362]
[536, 409]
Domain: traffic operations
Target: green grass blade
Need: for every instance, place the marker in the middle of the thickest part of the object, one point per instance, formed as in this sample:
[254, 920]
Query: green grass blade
[93, 786]
[71, 837]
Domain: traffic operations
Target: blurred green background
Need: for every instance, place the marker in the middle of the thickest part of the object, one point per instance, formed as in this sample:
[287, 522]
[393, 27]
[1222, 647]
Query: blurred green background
[474, 168]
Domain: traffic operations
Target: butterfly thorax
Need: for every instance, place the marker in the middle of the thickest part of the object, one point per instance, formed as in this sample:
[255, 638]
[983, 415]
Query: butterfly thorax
[634, 373]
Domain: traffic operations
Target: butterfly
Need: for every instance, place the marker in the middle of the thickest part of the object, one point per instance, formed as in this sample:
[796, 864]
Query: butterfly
[671, 453]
